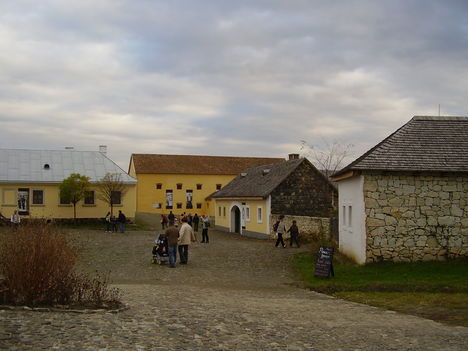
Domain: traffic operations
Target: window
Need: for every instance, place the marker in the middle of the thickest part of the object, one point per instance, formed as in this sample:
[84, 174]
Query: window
[38, 197]
[179, 186]
[218, 186]
[198, 204]
[350, 214]
[169, 199]
[344, 216]
[9, 197]
[247, 213]
[62, 201]
[199, 186]
[89, 197]
[259, 215]
[219, 211]
[116, 197]
[189, 198]
[224, 211]
[158, 185]
[179, 205]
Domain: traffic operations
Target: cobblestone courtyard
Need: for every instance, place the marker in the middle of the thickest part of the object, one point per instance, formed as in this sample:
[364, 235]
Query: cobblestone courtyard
[235, 294]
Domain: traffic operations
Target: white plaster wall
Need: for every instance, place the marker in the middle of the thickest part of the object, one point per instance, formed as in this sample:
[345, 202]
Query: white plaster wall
[352, 240]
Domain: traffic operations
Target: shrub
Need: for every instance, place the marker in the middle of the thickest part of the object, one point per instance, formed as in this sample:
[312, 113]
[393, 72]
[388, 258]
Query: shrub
[38, 260]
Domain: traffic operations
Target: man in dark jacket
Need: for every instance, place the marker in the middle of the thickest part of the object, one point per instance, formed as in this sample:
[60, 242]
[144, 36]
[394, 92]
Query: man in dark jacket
[171, 218]
[294, 234]
[121, 219]
[172, 235]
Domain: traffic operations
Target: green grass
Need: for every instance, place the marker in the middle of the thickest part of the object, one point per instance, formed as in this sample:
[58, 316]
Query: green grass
[435, 290]
[450, 276]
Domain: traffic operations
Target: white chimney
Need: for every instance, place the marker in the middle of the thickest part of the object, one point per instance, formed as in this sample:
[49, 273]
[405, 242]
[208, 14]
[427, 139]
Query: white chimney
[103, 149]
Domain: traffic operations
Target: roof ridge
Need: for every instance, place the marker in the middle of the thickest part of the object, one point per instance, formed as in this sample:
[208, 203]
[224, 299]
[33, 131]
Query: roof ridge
[217, 156]
[439, 118]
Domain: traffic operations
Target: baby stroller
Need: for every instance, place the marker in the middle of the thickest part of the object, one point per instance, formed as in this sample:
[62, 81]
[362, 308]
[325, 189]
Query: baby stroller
[160, 250]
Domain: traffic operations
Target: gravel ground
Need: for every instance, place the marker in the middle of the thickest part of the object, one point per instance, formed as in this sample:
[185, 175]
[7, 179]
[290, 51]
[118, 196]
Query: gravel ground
[235, 294]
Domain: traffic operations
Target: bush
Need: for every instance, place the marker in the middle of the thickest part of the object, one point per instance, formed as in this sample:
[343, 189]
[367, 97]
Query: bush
[38, 260]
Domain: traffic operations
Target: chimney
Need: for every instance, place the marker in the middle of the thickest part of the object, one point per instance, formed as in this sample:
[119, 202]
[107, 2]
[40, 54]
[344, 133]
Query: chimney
[243, 174]
[293, 156]
[265, 171]
[103, 149]
[69, 147]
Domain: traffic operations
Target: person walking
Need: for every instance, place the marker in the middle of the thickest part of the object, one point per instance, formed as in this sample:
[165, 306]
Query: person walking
[171, 218]
[15, 219]
[108, 222]
[190, 219]
[164, 222]
[280, 230]
[294, 231]
[172, 234]
[121, 219]
[186, 236]
[196, 220]
[205, 225]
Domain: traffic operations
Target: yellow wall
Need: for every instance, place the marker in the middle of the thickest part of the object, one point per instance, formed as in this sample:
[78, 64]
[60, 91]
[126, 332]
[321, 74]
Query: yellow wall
[147, 194]
[52, 208]
[223, 214]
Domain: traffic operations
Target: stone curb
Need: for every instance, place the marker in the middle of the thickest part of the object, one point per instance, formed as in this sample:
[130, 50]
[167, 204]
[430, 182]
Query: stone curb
[55, 309]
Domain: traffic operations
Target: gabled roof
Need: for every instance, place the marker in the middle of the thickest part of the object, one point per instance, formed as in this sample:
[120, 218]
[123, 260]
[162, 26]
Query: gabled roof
[190, 164]
[258, 181]
[425, 143]
[29, 166]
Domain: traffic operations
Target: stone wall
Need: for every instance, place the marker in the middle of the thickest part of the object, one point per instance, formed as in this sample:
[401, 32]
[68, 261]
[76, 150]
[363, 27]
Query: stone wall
[416, 217]
[305, 192]
[309, 227]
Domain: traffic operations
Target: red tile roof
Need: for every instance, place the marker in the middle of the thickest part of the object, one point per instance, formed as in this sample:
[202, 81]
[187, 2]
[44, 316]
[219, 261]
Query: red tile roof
[190, 164]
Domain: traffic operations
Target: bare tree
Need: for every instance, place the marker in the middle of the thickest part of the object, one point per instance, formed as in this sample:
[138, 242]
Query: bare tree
[111, 189]
[329, 158]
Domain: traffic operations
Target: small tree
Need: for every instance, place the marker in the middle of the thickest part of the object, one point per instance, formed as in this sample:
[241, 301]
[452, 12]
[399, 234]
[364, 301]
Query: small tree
[108, 188]
[73, 188]
[329, 158]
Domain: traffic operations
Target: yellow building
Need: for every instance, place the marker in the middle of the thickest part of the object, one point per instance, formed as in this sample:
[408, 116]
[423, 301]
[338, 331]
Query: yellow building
[30, 179]
[182, 183]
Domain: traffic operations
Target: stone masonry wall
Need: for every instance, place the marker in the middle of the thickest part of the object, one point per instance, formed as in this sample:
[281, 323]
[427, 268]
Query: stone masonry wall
[416, 217]
[305, 192]
[309, 227]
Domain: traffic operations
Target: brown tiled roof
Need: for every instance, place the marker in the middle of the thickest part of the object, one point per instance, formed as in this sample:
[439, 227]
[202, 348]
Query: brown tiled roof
[190, 164]
[425, 143]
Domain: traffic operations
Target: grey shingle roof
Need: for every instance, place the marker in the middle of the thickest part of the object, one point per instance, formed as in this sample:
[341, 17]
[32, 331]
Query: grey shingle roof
[27, 166]
[425, 143]
[256, 183]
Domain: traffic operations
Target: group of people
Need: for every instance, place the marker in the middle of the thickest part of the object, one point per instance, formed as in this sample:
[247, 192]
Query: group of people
[179, 239]
[281, 230]
[112, 222]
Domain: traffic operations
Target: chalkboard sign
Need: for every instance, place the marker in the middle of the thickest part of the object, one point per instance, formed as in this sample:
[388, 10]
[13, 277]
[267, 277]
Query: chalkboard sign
[324, 263]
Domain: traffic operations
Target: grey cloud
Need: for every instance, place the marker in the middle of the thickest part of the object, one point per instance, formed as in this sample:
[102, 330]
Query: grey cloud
[251, 77]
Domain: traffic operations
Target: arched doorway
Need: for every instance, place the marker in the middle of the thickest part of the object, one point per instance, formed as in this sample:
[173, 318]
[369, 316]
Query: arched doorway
[235, 219]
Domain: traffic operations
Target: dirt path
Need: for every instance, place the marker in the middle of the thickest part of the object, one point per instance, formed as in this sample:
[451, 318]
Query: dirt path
[235, 294]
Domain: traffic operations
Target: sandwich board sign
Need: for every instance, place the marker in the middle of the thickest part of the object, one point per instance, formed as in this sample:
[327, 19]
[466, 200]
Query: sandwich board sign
[324, 262]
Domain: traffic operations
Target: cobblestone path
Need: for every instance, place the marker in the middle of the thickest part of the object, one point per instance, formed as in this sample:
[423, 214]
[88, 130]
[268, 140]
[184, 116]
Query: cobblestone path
[235, 294]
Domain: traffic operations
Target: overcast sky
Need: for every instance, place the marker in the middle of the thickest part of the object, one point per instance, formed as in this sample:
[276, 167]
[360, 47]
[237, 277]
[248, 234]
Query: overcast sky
[240, 78]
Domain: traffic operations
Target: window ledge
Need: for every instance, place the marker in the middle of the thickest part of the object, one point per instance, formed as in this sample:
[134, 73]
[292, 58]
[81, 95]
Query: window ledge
[65, 205]
[37, 205]
[89, 205]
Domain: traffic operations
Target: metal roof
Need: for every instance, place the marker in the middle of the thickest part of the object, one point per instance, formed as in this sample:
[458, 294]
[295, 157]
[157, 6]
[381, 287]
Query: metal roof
[52, 166]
